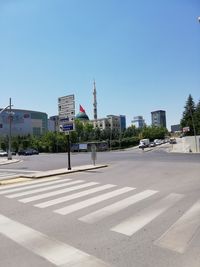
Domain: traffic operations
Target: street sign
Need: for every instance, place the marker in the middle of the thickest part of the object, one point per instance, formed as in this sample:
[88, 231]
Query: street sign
[66, 107]
[68, 127]
[64, 119]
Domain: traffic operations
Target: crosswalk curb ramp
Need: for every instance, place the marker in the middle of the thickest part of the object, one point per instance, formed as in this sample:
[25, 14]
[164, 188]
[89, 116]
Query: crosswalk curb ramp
[43, 174]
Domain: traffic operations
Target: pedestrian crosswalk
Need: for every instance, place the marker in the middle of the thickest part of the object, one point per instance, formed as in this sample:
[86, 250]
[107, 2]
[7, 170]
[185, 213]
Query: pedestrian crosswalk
[143, 217]
[13, 173]
[54, 251]
[7, 175]
[98, 201]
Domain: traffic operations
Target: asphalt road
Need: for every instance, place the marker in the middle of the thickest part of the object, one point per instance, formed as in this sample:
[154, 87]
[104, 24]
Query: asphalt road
[143, 210]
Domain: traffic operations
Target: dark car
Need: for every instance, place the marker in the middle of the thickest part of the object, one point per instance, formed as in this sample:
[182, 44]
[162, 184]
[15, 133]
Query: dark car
[28, 152]
[34, 151]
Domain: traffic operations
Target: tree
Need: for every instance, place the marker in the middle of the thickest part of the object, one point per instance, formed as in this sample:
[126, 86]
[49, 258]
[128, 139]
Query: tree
[131, 131]
[197, 118]
[189, 115]
[154, 132]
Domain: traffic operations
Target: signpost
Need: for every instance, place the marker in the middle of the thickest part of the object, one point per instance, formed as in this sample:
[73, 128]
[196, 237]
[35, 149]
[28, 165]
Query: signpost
[93, 153]
[66, 107]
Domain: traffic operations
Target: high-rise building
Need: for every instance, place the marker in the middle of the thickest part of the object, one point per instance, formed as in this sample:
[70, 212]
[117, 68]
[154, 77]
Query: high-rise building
[158, 118]
[138, 121]
[122, 122]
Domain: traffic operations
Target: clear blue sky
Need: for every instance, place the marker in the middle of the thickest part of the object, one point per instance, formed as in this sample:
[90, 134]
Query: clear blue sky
[144, 55]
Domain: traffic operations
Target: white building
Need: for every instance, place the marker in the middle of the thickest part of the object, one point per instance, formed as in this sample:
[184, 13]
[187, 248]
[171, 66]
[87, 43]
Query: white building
[112, 122]
[138, 121]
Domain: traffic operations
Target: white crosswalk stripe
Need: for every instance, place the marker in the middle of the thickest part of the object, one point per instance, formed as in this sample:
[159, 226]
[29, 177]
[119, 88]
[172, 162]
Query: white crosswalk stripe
[74, 196]
[29, 185]
[180, 234]
[116, 207]
[31, 182]
[43, 189]
[6, 175]
[57, 192]
[139, 220]
[92, 201]
[54, 251]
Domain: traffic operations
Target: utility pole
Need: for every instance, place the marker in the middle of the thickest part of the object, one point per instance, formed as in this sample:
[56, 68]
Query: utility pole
[195, 136]
[9, 137]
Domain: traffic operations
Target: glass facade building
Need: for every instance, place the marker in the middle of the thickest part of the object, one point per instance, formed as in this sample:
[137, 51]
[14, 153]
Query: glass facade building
[158, 118]
[23, 122]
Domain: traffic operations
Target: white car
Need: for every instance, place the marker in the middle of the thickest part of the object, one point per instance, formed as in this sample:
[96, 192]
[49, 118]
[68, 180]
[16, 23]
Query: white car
[3, 153]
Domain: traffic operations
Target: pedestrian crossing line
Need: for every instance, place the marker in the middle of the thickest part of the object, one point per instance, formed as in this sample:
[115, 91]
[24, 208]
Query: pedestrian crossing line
[116, 207]
[140, 219]
[92, 201]
[74, 196]
[57, 192]
[7, 174]
[180, 234]
[24, 193]
[52, 250]
[18, 171]
[30, 185]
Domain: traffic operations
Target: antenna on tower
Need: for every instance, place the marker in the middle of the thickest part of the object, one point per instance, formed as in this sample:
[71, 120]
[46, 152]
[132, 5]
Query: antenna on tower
[95, 101]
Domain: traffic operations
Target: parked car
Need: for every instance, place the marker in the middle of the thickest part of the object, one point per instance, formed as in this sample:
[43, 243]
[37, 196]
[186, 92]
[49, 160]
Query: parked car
[157, 142]
[172, 140]
[34, 151]
[142, 145]
[28, 152]
[152, 144]
[3, 153]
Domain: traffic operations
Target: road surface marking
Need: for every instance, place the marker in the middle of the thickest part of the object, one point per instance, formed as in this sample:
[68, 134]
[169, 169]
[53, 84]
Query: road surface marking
[139, 220]
[30, 185]
[7, 175]
[116, 207]
[54, 251]
[73, 196]
[18, 170]
[180, 234]
[92, 201]
[57, 192]
[24, 193]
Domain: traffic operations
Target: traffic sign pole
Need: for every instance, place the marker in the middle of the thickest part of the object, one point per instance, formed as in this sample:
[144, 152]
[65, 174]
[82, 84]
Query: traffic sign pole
[68, 151]
[66, 107]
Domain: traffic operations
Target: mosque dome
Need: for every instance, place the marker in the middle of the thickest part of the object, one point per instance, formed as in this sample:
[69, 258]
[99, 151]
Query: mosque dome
[82, 115]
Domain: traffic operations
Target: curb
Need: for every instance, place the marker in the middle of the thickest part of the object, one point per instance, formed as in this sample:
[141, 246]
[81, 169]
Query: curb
[44, 174]
[61, 171]
[5, 162]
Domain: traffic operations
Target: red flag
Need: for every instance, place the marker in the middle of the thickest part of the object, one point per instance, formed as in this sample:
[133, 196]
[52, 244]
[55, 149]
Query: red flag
[82, 109]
